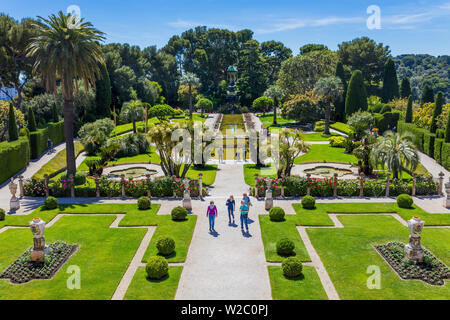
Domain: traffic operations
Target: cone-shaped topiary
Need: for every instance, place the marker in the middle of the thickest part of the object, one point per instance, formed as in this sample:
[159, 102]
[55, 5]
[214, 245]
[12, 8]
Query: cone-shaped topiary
[12, 124]
[447, 131]
[437, 112]
[405, 88]
[427, 95]
[409, 111]
[31, 120]
[356, 98]
[390, 82]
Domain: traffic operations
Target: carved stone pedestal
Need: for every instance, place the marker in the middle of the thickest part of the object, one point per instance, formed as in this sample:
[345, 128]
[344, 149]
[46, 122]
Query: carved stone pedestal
[413, 250]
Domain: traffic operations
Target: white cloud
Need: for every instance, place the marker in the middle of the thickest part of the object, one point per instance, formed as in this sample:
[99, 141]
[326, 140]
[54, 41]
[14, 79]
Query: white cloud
[184, 24]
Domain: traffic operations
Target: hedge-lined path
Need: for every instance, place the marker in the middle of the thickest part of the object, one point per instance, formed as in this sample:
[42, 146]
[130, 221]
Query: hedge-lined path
[228, 264]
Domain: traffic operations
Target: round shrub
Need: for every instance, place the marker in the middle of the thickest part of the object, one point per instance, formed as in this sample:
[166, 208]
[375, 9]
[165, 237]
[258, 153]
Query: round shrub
[165, 246]
[2, 214]
[276, 214]
[292, 267]
[51, 203]
[78, 180]
[157, 268]
[405, 201]
[144, 203]
[179, 214]
[285, 247]
[308, 202]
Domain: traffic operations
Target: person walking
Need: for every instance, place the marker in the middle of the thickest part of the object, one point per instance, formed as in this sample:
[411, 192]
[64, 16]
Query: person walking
[212, 214]
[244, 216]
[49, 145]
[247, 201]
[231, 205]
[220, 155]
[238, 155]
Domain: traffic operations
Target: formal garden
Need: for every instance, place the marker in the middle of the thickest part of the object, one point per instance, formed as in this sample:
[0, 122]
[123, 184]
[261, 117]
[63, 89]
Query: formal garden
[345, 161]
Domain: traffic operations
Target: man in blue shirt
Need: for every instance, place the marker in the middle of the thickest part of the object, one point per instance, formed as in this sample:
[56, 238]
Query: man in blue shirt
[244, 216]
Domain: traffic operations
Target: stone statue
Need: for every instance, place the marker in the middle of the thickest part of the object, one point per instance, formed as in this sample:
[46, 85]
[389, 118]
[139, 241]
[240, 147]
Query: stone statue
[14, 202]
[37, 227]
[413, 250]
[187, 203]
[269, 195]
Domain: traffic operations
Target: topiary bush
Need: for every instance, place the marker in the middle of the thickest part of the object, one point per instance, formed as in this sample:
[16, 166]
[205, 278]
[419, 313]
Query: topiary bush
[405, 201]
[79, 179]
[308, 202]
[144, 203]
[157, 268]
[51, 203]
[292, 267]
[165, 246]
[285, 247]
[2, 214]
[179, 214]
[276, 214]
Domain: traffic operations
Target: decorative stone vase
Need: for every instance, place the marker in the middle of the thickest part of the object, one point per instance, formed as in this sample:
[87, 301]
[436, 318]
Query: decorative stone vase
[413, 250]
[269, 196]
[187, 203]
[14, 203]
[37, 227]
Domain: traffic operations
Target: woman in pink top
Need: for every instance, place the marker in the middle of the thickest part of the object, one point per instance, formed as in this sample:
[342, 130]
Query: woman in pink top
[211, 213]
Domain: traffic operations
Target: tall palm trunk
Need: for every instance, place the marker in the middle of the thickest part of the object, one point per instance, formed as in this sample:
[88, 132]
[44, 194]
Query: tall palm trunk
[134, 126]
[275, 110]
[327, 117]
[69, 118]
[190, 101]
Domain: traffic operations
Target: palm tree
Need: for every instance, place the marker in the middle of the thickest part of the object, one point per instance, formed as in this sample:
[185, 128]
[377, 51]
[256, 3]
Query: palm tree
[132, 111]
[331, 88]
[395, 151]
[190, 79]
[274, 92]
[68, 53]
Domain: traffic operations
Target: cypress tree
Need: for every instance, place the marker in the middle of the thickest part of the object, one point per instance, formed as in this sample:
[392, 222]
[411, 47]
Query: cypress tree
[12, 124]
[55, 115]
[390, 83]
[405, 88]
[447, 131]
[427, 95]
[356, 98]
[31, 120]
[340, 105]
[103, 93]
[409, 111]
[437, 112]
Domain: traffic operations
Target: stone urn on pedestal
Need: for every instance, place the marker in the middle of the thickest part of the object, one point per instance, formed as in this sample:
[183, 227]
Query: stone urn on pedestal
[447, 199]
[14, 203]
[37, 227]
[187, 203]
[413, 250]
[269, 197]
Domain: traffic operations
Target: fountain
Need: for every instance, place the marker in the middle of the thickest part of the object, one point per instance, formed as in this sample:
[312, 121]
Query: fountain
[328, 172]
[413, 250]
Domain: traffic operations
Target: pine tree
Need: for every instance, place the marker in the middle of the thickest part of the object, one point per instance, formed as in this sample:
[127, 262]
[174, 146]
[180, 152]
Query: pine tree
[103, 93]
[427, 95]
[409, 111]
[31, 120]
[340, 105]
[356, 98]
[437, 112]
[405, 88]
[390, 83]
[12, 124]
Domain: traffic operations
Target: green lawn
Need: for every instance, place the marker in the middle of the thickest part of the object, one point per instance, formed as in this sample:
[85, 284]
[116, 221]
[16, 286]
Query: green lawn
[342, 127]
[250, 170]
[209, 174]
[267, 120]
[58, 163]
[273, 231]
[325, 153]
[128, 127]
[348, 252]
[142, 288]
[305, 287]
[104, 253]
[195, 117]
[317, 136]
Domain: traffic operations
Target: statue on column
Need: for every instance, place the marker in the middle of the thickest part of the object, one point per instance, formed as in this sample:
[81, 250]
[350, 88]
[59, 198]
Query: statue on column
[37, 227]
[413, 250]
[14, 202]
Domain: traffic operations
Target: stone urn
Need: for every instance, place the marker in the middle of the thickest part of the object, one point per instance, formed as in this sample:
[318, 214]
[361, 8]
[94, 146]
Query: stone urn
[413, 250]
[187, 203]
[14, 202]
[269, 196]
[37, 227]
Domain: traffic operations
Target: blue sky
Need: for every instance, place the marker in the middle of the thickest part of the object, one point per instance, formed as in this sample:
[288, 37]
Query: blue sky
[406, 26]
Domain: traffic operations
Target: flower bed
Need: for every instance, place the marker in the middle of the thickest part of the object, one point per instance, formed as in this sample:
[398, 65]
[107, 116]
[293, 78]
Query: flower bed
[276, 185]
[22, 270]
[431, 271]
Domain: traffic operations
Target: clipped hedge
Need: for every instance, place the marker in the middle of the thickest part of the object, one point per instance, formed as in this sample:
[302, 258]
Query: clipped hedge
[38, 139]
[428, 143]
[418, 133]
[387, 121]
[14, 156]
[445, 155]
[438, 149]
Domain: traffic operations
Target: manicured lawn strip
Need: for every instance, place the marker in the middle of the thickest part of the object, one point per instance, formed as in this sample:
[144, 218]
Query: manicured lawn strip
[342, 127]
[143, 289]
[195, 117]
[128, 127]
[274, 231]
[348, 252]
[317, 136]
[267, 120]
[305, 287]
[180, 231]
[209, 174]
[103, 257]
[250, 170]
[57, 163]
[325, 153]
[319, 216]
